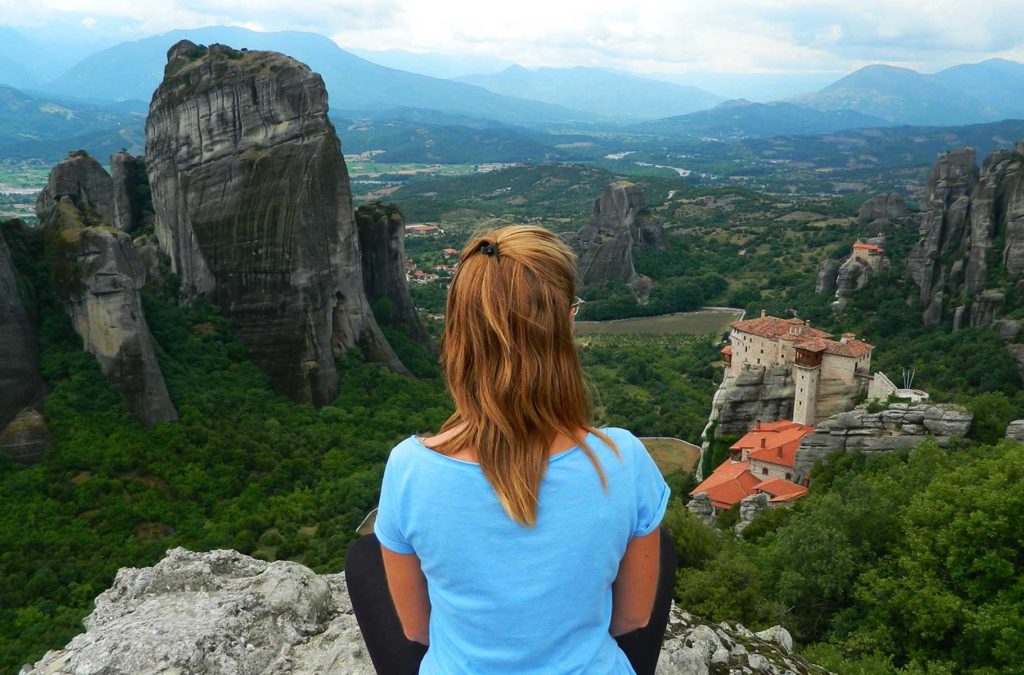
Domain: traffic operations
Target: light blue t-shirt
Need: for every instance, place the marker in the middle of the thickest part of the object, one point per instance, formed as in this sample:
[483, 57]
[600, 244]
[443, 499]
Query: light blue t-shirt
[510, 599]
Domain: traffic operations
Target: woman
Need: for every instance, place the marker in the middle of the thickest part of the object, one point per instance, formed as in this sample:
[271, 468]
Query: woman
[519, 539]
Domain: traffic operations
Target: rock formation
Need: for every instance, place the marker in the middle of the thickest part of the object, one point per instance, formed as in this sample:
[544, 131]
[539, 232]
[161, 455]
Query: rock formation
[971, 225]
[754, 394]
[621, 226]
[885, 207]
[381, 241]
[1015, 430]
[97, 276]
[253, 207]
[222, 612]
[751, 507]
[828, 272]
[700, 505]
[132, 204]
[901, 425]
[23, 434]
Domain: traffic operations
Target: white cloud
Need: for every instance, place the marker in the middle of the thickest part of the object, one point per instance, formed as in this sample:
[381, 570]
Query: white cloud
[655, 35]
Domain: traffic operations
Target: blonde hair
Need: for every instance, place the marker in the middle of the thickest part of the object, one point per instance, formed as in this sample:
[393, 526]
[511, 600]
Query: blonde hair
[510, 361]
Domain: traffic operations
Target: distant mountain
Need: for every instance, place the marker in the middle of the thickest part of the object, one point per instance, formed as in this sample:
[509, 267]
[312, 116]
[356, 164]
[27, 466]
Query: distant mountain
[28, 62]
[972, 93]
[601, 91]
[740, 119]
[44, 127]
[132, 70]
[757, 87]
[432, 64]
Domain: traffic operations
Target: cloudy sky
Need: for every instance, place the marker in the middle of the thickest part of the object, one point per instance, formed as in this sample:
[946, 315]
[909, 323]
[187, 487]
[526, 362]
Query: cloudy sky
[724, 36]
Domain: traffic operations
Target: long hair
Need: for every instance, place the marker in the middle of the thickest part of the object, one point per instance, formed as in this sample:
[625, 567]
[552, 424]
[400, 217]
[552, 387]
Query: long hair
[510, 361]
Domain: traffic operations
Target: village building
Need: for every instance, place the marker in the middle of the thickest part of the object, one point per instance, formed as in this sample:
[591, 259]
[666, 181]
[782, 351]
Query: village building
[762, 461]
[422, 230]
[869, 253]
[819, 365]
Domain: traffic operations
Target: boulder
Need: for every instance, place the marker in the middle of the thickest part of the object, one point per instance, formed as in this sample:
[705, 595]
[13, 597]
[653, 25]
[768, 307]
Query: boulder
[1015, 430]
[985, 307]
[26, 438]
[1007, 329]
[222, 612]
[700, 506]
[750, 507]
[254, 209]
[828, 270]
[85, 182]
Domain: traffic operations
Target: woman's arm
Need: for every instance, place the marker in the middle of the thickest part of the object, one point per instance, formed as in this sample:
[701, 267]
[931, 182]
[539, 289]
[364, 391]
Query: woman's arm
[636, 583]
[408, 589]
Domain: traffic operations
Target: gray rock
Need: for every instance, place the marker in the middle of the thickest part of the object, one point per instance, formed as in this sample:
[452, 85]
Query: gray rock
[1015, 430]
[882, 207]
[1008, 329]
[958, 317]
[901, 426]
[97, 276]
[750, 508]
[86, 183]
[828, 271]
[381, 234]
[224, 613]
[26, 437]
[132, 206]
[621, 226]
[253, 207]
[700, 505]
[985, 307]
[21, 383]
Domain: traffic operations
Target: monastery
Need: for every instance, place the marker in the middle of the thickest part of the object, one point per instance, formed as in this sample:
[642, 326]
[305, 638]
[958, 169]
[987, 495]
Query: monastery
[817, 362]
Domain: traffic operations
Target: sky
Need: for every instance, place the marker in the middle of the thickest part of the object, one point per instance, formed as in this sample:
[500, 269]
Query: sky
[646, 36]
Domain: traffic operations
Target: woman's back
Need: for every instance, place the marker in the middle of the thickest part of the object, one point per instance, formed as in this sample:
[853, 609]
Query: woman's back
[511, 599]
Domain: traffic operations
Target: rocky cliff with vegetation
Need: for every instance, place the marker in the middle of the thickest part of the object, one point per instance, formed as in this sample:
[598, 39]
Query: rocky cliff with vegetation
[620, 227]
[224, 612]
[97, 276]
[381, 241]
[253, 207]
[971, 235]
[22, 434]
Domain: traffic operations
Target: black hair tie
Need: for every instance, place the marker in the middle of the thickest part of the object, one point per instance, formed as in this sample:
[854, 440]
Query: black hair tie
[489, 248]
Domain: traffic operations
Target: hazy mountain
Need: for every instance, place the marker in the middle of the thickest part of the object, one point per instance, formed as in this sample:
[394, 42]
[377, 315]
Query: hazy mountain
[132, 70]
[743, 119]
[432, 64]
[28, 61]
[757, 87]
[980, 92]
[606, 92]
[44, 127]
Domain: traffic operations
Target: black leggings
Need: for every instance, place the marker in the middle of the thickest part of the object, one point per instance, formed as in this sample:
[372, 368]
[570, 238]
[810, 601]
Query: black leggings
[394, 654]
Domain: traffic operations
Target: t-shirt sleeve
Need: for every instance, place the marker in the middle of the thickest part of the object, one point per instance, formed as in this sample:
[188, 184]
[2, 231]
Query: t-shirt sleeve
[652, 492]
[388, 524]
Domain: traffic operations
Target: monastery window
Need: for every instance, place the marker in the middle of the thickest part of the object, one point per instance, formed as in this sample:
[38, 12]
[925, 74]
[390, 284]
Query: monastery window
[764, 472]
[788, 476]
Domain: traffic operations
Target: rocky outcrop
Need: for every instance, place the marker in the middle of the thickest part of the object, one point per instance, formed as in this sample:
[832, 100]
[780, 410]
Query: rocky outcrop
[1015, 430]
[253, 207]
[381, 241]
[132, 203]
[22, 431]
[224, 613]
[971, 233]
[97, 276]
[885, 207]
[754, 394]
[901, 425]
[985, 307]
[700, 505]
[85, 182]
[751, 507]
[621, 225]
[828, 273]
[855, 273]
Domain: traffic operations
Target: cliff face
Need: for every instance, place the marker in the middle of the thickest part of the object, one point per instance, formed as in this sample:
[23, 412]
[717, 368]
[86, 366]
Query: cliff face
[971, 231]
[132, 206]
[224, 612]
[97, 275]
[381, 242]
[253, 207]
[620, 227]
[902, 425]
[22, 434]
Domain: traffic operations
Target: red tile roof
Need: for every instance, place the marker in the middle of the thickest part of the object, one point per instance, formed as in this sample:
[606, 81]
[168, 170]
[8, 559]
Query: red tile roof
[781, 490]
[869, 247]
[728, 484]
[808, 338]
[775, 442]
